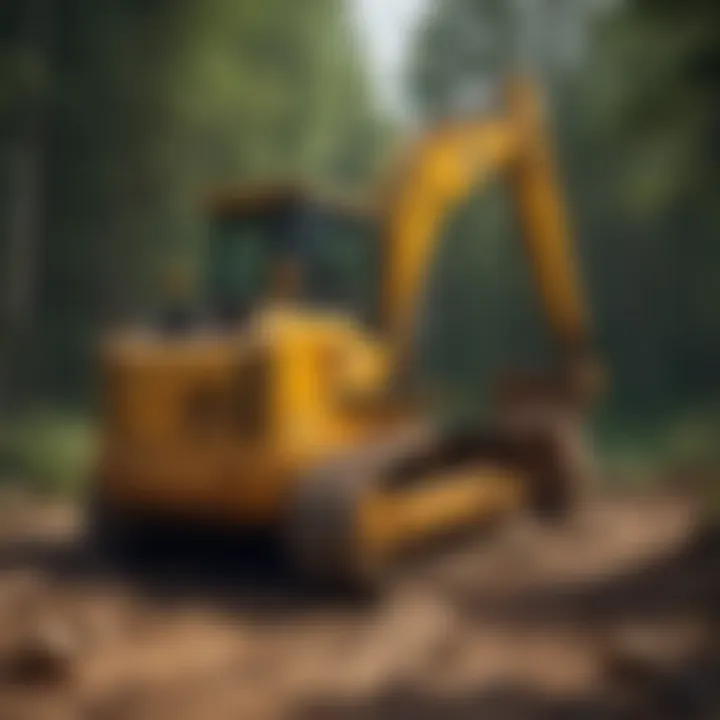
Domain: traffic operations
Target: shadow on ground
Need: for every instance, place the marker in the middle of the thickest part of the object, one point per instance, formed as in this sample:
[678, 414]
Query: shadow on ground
[247, 572]
[232, 572]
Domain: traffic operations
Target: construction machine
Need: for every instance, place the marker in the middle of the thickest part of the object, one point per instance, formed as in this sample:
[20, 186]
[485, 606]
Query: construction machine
[285, 410]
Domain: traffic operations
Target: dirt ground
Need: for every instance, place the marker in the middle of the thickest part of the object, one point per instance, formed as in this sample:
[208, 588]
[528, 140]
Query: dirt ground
[612, 615]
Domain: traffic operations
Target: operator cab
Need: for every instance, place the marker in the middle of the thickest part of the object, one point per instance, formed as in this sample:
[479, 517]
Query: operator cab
[287, 244]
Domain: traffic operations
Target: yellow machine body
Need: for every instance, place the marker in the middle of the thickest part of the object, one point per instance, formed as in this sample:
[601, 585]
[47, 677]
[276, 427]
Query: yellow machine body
[219, 425]
[226, 425]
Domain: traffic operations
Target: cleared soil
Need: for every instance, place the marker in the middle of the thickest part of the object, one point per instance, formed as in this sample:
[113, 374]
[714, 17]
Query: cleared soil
[611, 615]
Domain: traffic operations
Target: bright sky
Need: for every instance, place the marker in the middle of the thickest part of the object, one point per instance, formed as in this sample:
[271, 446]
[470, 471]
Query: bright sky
[387, 27]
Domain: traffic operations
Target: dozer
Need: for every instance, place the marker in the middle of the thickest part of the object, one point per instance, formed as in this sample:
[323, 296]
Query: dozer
[283, 409]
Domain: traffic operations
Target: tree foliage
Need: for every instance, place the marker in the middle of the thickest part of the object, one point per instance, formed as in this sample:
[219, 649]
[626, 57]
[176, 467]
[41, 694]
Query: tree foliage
[635, 123]
[140, 108]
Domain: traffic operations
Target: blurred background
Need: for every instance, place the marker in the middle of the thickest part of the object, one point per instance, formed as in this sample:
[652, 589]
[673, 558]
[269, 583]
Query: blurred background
[117, 118]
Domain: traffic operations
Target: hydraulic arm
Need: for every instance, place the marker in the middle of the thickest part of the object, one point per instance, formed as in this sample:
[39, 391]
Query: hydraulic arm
[443, 169]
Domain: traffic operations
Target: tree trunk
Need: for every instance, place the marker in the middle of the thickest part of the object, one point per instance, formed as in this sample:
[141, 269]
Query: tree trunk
[25, 214]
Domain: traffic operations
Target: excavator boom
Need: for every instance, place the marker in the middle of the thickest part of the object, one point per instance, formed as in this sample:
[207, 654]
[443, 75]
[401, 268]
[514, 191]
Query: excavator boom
[444, 168]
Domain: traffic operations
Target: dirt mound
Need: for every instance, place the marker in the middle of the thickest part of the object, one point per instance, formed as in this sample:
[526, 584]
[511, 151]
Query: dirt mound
[610, 616]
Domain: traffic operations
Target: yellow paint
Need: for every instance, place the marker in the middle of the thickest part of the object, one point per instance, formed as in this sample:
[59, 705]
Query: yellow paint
[443, 168]
[222, 426]
[171, 438]
[391, 520]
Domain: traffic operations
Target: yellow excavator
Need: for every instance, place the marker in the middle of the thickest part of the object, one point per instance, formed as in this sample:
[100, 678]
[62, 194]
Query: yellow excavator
[290, 408]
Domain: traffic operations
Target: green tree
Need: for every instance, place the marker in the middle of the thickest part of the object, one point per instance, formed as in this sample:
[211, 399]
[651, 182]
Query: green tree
[656, 103]
[635, 125]
[484, 315]
[147, 106]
